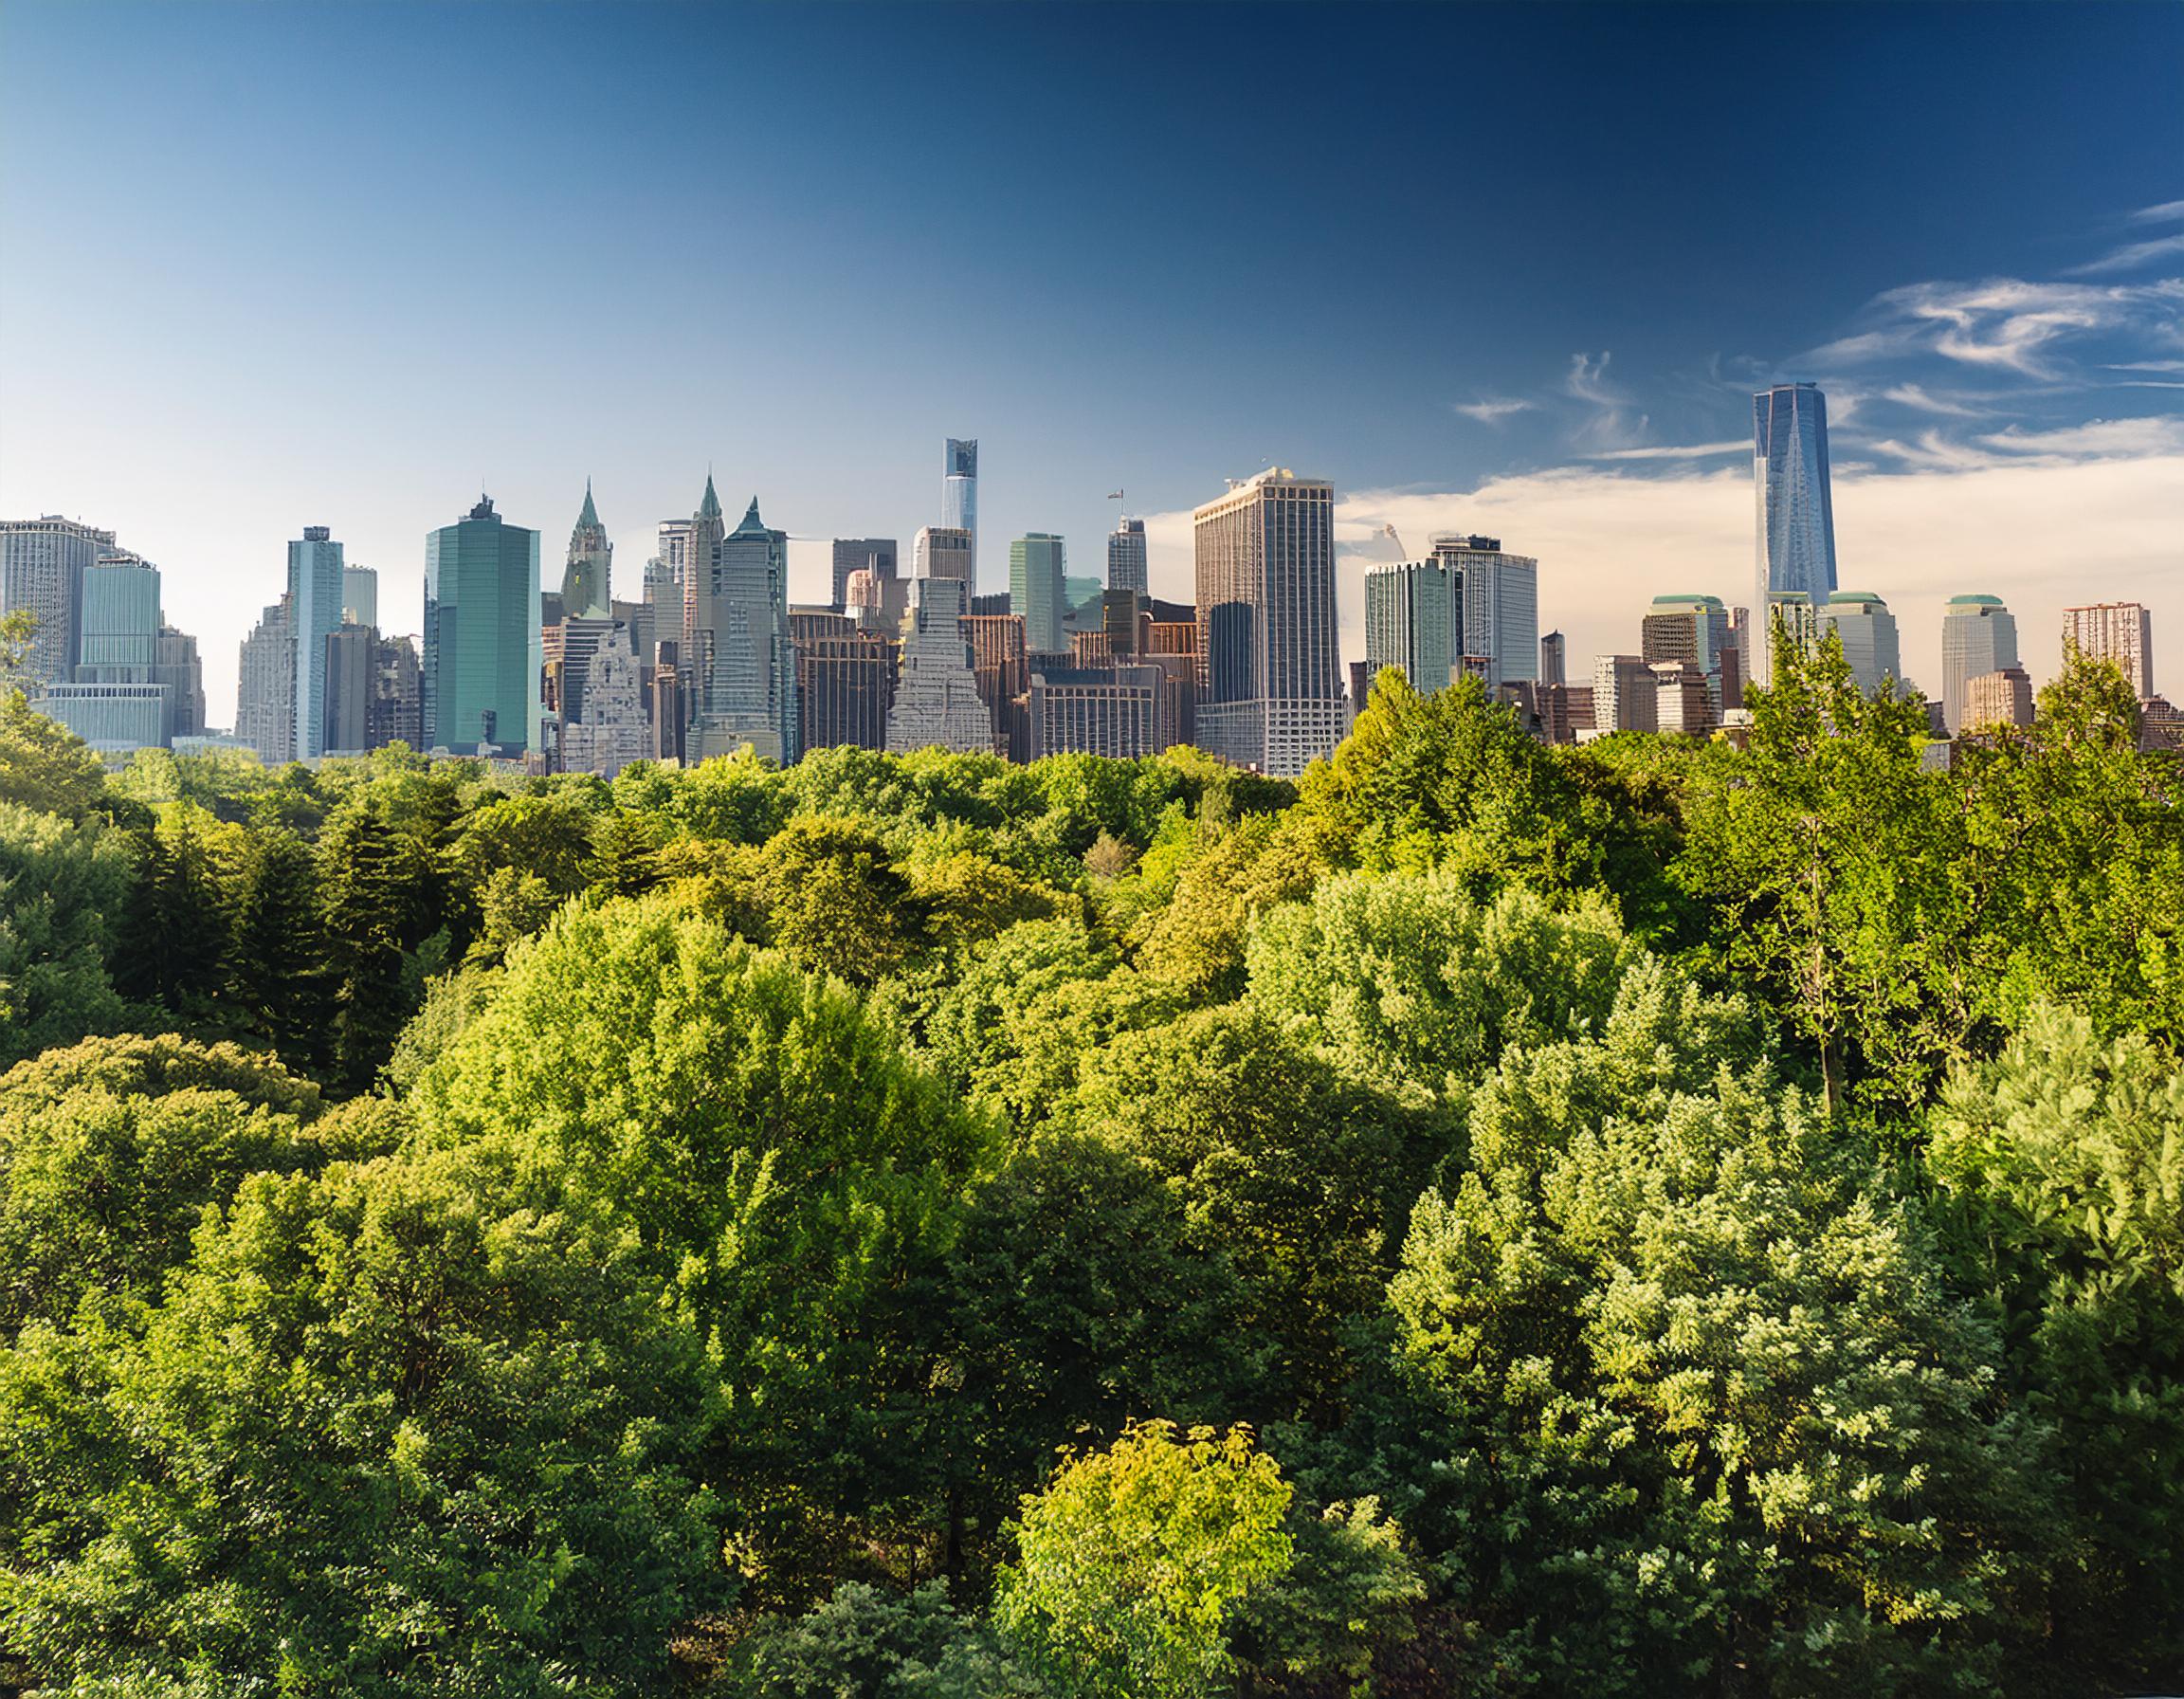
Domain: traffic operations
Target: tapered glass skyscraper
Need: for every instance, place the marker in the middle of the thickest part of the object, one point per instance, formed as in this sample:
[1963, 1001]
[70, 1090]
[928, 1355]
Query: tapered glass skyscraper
[959, 495]
[1795, 544]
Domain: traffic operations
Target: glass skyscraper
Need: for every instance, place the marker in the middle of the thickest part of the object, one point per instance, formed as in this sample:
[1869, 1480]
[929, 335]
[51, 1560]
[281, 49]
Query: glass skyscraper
[1036, 589]
[1408, 606]
[959, 495]
[482, 639]
[1497, 620]
[314, 599]
[1861, 620]
[1978, 636]
[1794, 542]
[1126, 555]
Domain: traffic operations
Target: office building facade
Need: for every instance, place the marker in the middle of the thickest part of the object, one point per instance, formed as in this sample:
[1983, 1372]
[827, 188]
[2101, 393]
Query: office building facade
[1993, 699]
[315, 600]
[1126, 563]
[844, 680]
[1036, 578]
[1794, 504]
[1110, 711]
[2117, 631]
[42, 566]
[612, 732]
[943, 551]
[1553, 660]
[482, 646]
[1269, 672]
[265, 687]
[1625, 694]
[1408, 606]
[360, 595]
[1868, 631]
[1499, 596]
[1978, 636]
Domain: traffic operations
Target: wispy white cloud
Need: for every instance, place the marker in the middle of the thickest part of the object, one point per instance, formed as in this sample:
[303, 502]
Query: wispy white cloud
[1917, 395]
[2097, 439]
[2166, 213]
[1492, 409]
[2131, 256]
[1614, 420]
[1670, 451]
[2002, 324]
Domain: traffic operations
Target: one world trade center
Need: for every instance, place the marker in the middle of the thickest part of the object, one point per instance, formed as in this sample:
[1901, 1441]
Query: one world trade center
[1795, 543]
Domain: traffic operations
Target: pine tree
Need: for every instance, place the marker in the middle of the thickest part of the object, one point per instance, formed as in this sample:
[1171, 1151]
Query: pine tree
[372, 880]
[175, 934]
[280, 951]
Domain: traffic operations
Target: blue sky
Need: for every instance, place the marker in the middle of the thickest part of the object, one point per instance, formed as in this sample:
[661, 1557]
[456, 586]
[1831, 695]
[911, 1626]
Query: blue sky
[1512, 268]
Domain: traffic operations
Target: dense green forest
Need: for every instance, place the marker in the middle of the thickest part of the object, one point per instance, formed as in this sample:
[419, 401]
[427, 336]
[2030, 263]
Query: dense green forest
[1486, 1219]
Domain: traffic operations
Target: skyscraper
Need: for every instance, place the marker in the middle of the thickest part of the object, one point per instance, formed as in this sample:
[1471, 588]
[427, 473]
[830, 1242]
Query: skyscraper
[684, 543]
[1110, 711]
[937, 699]
[1861, 620]
[1270, 674]
[180, 668]
[265, 687]
[874, 554]
[2117, 631]
[1993, 699]
[743, 672]
[1407, 605]
[1978, 636]
[314, 569]
[482, 636]
[42, 566]
[352, 679]
[943, 551]
[844, 680]
[586, 581]
[1554, 663]
[1036, 571]
[1501, 606]
[612, 732]
[1694, 629]
[1626, 695]
[959, 498]
[1126, 555]
[360, 595]
[1794, 545]
[115, 700]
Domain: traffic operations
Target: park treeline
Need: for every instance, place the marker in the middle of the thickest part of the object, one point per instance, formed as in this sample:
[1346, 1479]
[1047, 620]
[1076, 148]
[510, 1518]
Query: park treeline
[1661, 1218]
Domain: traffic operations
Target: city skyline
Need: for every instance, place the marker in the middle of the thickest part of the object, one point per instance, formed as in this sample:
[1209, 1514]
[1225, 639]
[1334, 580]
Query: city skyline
[2002, 360]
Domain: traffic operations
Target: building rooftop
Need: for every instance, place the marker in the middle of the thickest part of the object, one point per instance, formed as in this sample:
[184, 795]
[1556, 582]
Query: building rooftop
[1976, 601]
[1855, 596]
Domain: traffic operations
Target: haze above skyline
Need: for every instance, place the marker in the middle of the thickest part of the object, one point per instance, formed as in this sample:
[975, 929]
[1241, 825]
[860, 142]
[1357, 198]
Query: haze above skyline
[1515, 270]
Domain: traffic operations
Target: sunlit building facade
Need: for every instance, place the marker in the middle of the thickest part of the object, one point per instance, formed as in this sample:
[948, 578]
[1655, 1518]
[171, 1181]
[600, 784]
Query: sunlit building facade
[1795, 542]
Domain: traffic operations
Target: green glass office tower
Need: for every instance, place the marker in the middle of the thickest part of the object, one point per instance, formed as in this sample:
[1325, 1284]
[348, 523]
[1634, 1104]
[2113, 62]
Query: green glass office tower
[481, 641]
[1036, 591]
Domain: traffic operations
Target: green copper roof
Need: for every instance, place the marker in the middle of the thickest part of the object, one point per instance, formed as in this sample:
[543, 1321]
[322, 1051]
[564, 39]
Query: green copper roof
[1852, 595]
[1975, 601]
[710, 507]
[590, 514]
[1686, 600]
[751, 522]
